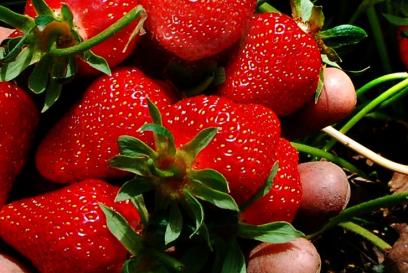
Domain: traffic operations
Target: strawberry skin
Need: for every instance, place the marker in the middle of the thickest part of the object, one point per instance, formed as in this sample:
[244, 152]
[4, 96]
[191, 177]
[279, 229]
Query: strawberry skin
[65, 231]
[278, 65]
[81, 144]
[286, 189]
[18, 120]
[403, 45]
[92, 17]
[194, 30]
[244, 149]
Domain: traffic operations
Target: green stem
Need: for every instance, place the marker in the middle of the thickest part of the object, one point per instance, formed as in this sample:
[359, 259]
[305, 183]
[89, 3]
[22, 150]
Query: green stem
[16, 20]
[267, 8]
[394, 99]
[365, 233]
[323, 154]
[104, 35]
[366, 109]
[42, 8]
[379, 38]
[366, 207]
[380, 80]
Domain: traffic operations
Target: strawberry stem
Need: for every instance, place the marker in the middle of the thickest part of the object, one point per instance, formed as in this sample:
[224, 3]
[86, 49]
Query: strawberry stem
[104, 35]
[16, 20]
[323, 154]
[374, 239]
[365, 207]
[380, 80]
[401, 86]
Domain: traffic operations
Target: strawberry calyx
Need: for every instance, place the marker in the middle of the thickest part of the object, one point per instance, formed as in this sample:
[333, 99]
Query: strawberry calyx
[51, 43]
[182, 206]
[311, 19]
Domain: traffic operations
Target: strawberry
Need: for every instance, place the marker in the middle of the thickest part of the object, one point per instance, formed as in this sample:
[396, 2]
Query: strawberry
[194, 30]
[59, 37]
[80, 145]
[18, 120]
[403, 44]
[91, 18]
[65, 231]
[286, 188]
[278, 65]
[243, 150]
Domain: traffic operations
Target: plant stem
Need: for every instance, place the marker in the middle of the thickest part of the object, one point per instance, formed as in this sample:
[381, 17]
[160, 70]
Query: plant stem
[267, 8]
[16, 20]
[366, 207]
[323, 154]
[379, 38]
[366, 109]
[362, 150]
[104, 35]
[380, 80]
[395, 98]
[166, 259]
[365, 233]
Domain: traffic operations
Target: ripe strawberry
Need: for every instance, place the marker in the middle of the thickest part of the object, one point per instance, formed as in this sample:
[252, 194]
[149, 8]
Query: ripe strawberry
[278, 65]
[18, 120]
[286, 189]
[403, 44]
[80, 145]
[243, 150]
[194, 30]
[90, 18]
[65, 231]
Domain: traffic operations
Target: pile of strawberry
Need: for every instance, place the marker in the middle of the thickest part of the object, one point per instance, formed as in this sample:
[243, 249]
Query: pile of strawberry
[180, 182]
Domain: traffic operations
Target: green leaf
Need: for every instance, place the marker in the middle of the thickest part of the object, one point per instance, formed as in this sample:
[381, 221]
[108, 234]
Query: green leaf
[96, 62]
[320, 86]
[53, 93]
[211, 178]
[15, 46]
[70, 67]
[196, 209]
[135, 165]
[200, 141]
[38, 79]
[342, 35]
[16, 20]
[121, 229]
[43, 20]
[326, 60]
[133, 147]
[165, 139]
[234, 259]
[133, 188]
[217, 198]
[131, 265]
[220, 76]
[276, 232]
[306, 10]
[264, 189]
[174, 226]
[395, 20]
[42, 8]
[154, 113]
[10, 71]
[316, 20]
[67, 15]
[139, 203]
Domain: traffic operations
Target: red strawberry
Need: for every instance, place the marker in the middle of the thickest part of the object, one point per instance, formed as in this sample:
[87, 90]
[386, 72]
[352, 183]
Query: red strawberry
[92, 17]
[80, 145]
[243, 150]
[278, 65]
[18, 120]
[286, 188]
[65, 231]
[197, 29]
[403, 44]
